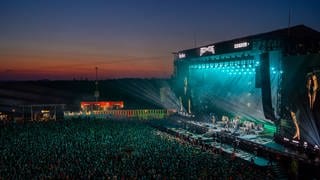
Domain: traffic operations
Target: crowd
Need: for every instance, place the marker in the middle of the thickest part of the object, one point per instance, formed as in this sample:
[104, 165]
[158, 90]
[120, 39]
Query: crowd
[110, 149]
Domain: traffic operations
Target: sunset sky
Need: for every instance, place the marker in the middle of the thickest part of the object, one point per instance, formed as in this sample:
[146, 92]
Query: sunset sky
[66, 39]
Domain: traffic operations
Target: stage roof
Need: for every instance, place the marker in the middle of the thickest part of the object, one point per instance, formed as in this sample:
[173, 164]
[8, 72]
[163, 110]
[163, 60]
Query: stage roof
[277, 38]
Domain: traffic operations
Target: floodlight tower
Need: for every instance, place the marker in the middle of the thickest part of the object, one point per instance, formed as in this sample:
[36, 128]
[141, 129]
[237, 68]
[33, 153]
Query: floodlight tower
[96, 92]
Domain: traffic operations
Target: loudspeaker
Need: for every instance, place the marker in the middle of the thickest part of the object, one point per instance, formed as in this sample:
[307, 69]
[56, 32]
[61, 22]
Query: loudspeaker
[258, 83]
[266, 86]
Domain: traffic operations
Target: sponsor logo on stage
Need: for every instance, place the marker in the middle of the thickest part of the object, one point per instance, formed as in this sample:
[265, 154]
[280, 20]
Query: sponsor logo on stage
[207, 49]
[241, 45]
[181, 55]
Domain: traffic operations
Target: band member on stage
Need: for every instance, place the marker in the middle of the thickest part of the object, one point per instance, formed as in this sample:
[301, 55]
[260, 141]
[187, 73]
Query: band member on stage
[213, 118]
[225, 119]
[236, 122]
[294, 119]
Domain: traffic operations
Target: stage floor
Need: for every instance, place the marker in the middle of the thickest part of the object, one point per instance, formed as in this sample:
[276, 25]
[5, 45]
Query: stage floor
[256, 139]
[260, 161]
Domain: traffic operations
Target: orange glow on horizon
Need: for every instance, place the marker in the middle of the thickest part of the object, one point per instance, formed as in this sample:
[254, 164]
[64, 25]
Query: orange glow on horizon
[35, 67]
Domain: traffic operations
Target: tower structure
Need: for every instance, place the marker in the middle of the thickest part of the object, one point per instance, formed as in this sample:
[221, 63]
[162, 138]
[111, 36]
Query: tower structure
[96, 92]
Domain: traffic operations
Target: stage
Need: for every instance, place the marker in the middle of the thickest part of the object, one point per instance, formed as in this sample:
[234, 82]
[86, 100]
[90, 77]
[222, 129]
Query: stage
[260, 161]
[256, 144]
[269, 79]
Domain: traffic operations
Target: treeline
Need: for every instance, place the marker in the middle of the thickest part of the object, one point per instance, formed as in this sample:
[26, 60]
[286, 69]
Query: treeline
[136, 93]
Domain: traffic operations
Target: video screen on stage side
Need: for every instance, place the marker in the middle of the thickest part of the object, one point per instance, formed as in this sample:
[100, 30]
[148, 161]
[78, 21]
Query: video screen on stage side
[301, 107]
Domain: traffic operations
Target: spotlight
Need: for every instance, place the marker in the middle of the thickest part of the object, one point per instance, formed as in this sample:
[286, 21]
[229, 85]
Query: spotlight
[295, 141]
[286, 139]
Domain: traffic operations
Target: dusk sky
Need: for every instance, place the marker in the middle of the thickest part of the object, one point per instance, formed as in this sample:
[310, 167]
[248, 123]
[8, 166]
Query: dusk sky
[66, 39]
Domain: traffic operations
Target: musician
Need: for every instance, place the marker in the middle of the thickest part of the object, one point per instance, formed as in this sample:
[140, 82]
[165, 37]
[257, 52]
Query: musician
[225, 119]
[213, 118]
[236, 122]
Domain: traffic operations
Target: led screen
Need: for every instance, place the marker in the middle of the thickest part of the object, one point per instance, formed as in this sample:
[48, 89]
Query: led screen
[300, 117]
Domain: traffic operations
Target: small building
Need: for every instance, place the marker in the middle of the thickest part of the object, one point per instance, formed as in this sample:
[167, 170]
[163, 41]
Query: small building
[100, 105]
